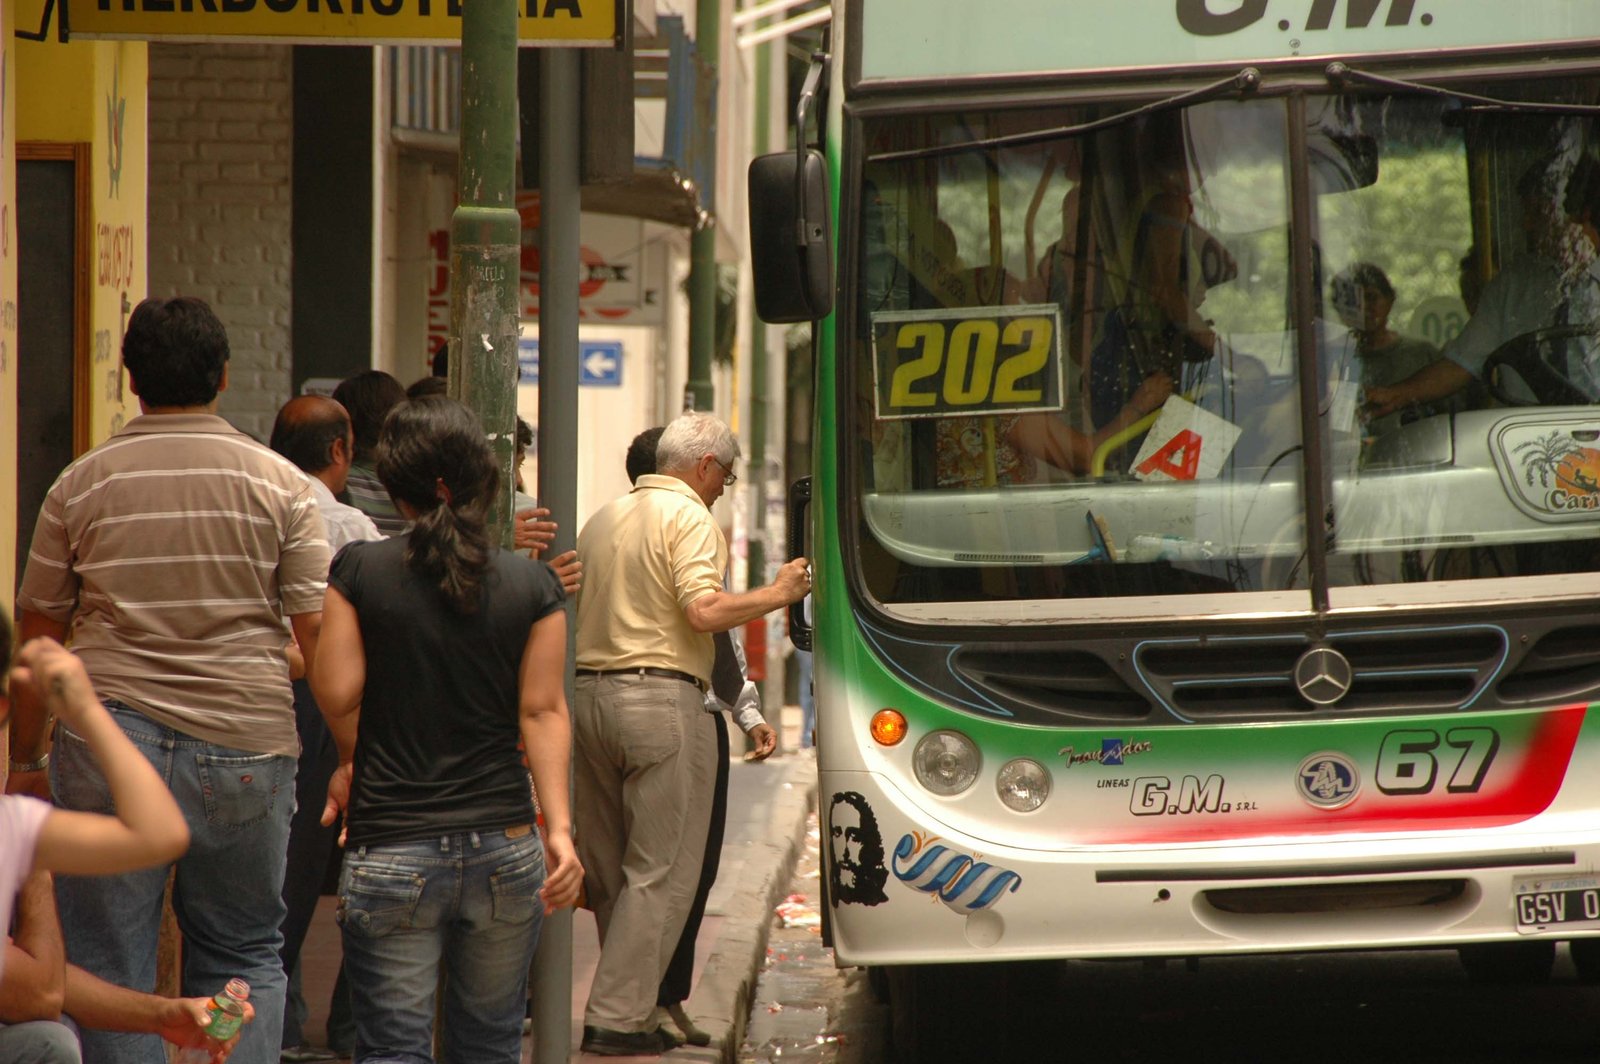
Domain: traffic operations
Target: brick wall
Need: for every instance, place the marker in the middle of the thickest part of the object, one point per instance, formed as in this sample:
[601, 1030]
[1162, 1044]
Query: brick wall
[220, 148]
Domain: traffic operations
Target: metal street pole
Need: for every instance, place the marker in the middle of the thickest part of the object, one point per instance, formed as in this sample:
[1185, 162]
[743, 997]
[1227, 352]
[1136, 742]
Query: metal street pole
[558, 453]
[486, 238]
[699, 394]
[756, 573]
[485, 266]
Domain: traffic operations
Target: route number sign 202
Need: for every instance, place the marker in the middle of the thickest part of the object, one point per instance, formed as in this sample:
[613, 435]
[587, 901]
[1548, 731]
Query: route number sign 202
[967, 360]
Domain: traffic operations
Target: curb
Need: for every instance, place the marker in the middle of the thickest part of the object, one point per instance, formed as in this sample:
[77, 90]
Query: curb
[721, 999]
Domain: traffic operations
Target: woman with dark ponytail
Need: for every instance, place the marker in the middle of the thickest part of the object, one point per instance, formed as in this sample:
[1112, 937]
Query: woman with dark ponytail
[439, 651]
[434, 461]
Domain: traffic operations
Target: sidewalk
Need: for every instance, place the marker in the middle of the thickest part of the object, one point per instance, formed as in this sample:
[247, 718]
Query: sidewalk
[767, 807]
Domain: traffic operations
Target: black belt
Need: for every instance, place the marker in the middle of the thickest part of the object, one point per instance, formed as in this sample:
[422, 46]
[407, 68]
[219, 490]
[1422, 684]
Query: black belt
[646, 670]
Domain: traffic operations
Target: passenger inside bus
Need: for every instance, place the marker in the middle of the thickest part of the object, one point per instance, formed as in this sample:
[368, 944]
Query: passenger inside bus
[1474, 274]
[1363, 297]
[1008, 449]
[1142, 319]
[1556, 287]
[1155, 322]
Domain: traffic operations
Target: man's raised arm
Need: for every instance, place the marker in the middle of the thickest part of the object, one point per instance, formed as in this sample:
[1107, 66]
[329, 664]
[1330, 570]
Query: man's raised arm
[722, 610]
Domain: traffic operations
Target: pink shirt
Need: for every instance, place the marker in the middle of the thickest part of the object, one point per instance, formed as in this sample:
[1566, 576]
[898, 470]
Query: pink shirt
[21, 819]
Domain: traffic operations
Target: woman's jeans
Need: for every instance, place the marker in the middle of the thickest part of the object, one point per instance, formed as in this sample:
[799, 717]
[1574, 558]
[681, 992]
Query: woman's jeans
[464, 907]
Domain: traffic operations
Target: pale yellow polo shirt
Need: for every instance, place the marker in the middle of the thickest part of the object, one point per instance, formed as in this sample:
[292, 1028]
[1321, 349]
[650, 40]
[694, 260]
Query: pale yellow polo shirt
[646, 556]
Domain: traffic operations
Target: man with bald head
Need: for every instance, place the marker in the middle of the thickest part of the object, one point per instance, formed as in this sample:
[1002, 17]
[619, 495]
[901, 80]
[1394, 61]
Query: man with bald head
[314, 433]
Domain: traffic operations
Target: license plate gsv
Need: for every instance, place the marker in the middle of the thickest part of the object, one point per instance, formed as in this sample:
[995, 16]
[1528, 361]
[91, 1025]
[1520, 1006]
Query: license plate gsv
[1549, 903]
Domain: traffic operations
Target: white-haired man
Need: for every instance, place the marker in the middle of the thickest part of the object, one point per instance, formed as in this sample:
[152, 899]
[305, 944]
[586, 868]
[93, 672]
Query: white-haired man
[651, 599]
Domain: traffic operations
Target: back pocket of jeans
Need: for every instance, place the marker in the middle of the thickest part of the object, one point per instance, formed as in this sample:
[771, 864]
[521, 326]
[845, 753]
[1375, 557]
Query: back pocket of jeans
[377, 899]
[239, 791]
[76, 780]
[515, 885]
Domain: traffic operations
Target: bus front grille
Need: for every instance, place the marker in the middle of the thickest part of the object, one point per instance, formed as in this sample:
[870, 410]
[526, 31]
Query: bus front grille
[1562, 666]
[1395, 670]
[1536, 658]
[1053, 685]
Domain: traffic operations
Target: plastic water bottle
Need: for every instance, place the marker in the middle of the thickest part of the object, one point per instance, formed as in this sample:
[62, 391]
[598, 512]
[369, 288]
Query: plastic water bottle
[226, 1012]
[1168, 548]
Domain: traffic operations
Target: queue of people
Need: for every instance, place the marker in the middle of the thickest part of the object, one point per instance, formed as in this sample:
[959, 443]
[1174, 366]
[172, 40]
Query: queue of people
[283, 654]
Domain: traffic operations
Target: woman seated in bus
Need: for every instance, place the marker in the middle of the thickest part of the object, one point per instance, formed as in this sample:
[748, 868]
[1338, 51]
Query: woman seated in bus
[1049, 438]
[1001, 450]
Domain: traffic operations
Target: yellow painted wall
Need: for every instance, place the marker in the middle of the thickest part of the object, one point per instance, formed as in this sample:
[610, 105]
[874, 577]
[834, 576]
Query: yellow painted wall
[55, 82]
[83, 91]
[121, 243]
[93, 92]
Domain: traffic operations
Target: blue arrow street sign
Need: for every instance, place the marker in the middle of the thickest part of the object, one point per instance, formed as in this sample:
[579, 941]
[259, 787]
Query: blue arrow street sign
[528, 361]
[599, 362]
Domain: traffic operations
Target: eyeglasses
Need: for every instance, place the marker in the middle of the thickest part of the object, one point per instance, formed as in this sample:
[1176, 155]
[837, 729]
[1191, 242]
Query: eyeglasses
[728, 475]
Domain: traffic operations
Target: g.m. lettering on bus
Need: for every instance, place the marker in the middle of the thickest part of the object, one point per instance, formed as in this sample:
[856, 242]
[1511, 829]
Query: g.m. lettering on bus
[1214, 18]
[424, 8]
[1154, 796]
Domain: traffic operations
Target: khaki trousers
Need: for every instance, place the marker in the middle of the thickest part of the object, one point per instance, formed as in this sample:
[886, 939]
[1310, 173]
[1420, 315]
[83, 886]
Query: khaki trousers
[643, 772]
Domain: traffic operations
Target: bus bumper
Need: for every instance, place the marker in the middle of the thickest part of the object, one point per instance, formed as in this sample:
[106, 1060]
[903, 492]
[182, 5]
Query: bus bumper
[904, 889]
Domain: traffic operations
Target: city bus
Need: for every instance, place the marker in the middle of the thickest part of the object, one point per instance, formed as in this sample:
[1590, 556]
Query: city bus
[1206, 498]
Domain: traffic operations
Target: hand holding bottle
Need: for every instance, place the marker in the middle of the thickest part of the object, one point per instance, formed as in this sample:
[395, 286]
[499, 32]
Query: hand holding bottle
[215, 1025]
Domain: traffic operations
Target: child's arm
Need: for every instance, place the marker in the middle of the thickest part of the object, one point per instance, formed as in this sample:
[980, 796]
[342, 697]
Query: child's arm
[148, 828]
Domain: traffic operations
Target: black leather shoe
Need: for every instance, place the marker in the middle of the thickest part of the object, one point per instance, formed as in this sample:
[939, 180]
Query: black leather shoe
[604, 1042]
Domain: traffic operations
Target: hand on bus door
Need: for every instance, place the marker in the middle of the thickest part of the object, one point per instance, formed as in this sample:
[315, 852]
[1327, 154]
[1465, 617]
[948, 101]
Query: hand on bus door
[794, 580]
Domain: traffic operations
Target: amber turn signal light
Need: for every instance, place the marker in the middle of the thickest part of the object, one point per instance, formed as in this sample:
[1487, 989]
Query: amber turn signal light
[888, 727]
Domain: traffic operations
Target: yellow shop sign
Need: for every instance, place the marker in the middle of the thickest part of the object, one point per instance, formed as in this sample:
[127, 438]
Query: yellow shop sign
[540, 22]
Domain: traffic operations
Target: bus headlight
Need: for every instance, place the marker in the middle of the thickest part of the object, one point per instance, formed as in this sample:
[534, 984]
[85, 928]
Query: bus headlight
[946, 762]
[1023, 784]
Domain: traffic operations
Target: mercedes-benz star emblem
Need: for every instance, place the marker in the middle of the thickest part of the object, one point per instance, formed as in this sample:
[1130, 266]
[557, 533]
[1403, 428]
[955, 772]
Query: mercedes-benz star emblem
[1323, 676]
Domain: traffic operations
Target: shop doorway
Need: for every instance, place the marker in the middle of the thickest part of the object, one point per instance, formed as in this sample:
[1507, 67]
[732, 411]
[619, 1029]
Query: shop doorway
[53, 258]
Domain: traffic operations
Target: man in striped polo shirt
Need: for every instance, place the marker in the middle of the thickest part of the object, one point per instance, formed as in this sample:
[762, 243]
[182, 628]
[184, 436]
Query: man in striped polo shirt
[172, 555]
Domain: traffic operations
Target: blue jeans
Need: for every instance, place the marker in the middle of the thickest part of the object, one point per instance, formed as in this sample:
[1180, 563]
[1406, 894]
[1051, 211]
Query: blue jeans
[227, 894]
[465, 906]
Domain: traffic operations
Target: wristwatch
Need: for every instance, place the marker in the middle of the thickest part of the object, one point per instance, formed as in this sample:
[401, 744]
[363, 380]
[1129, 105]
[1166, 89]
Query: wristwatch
[32, 766]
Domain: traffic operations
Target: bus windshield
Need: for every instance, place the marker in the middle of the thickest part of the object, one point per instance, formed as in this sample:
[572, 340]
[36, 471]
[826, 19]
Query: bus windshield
[1080, 362]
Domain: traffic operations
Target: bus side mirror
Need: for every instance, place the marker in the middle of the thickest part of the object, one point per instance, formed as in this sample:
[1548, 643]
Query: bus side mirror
[791, 246]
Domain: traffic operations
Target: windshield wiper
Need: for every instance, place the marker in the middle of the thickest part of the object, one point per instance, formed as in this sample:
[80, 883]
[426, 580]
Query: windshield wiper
[1341, 73]
[1244, 81]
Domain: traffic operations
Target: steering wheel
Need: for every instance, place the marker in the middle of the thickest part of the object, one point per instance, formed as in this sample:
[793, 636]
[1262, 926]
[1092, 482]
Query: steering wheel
[1529, 357]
